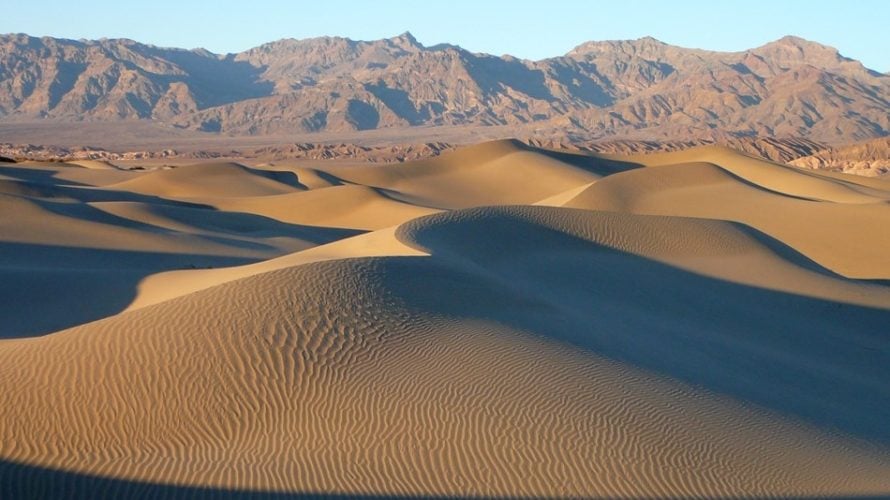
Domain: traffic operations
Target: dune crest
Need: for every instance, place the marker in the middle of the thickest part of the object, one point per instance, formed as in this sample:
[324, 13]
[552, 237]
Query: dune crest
[501, 320]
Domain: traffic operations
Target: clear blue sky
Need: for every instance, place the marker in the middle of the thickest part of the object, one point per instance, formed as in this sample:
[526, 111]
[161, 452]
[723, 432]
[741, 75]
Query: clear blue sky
[534, 30]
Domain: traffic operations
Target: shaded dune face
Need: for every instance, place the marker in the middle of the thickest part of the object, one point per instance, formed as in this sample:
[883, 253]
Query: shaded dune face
[650, 338]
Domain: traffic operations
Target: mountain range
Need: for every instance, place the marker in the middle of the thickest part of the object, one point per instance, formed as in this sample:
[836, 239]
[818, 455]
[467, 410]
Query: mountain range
[640, 89]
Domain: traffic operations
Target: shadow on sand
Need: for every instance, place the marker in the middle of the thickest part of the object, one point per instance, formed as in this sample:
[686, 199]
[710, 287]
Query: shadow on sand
[19, 481]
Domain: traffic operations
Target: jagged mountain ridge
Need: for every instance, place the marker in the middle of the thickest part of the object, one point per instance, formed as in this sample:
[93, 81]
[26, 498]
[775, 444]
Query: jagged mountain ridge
[634, 88]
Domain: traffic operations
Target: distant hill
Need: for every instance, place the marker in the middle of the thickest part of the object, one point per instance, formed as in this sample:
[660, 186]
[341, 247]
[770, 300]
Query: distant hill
[640, 89]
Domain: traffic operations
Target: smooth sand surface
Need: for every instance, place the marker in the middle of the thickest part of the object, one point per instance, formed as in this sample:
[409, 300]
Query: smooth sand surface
[498, 321]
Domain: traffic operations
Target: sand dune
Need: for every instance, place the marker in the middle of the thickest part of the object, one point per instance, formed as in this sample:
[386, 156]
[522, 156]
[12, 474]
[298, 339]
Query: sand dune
[499, 321]
[846, 213]
[93, 164]
[347, 206]
[74, 246]
[165, 286]
[499, 172]
[212, 180]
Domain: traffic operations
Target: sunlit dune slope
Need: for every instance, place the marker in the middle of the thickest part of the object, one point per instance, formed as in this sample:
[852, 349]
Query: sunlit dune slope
[500, 321]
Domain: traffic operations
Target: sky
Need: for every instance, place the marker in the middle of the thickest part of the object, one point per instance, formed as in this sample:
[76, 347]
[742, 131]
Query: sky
[525, 29]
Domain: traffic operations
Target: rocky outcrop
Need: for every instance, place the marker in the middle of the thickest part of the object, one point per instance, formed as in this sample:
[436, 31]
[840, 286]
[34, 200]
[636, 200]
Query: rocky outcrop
[871, 158]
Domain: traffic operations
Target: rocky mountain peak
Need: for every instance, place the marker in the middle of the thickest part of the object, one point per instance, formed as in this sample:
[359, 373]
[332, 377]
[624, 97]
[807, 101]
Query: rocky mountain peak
[792, 50]
[406, 40]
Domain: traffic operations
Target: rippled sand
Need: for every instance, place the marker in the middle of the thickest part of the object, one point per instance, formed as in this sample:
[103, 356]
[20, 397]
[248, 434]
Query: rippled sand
[499, 321]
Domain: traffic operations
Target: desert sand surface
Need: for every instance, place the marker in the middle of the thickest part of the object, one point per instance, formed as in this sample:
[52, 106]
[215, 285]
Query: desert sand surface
[501, 320]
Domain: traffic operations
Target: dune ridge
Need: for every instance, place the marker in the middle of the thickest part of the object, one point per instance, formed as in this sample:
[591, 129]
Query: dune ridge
[502, 320]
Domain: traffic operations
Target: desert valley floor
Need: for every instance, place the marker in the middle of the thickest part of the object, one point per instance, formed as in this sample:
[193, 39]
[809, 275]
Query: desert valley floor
[498, 321]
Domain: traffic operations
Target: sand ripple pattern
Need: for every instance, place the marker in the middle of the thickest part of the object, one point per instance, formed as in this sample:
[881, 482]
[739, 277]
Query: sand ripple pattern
[266, 383]
[526, 351]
